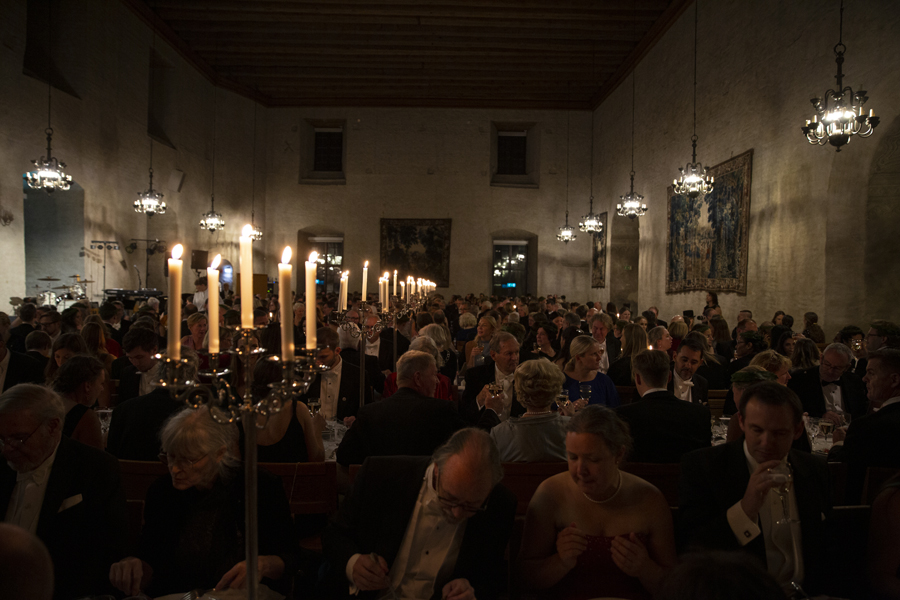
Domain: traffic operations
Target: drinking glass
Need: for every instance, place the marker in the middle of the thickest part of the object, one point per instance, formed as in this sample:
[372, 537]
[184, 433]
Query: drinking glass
[784, 477]
[812, 428]
[562, 399]
[585, 390]
[105, 415]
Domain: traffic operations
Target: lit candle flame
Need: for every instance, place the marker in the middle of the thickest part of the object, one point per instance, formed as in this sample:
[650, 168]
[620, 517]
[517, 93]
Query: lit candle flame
[286, 255]
[366, 266]
[215, 262]
[313, 257]
[247, 230]
[177, 251]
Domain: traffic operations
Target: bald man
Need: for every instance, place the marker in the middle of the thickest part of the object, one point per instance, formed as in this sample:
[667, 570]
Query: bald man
[26, 570]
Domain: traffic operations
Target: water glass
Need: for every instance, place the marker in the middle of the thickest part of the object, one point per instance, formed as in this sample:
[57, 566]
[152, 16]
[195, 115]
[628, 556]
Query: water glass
[585, 391]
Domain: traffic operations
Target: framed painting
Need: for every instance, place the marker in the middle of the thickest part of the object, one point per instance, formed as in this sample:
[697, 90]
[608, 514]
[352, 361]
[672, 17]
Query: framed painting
[417, 247]
[598, 256]
[707, 238]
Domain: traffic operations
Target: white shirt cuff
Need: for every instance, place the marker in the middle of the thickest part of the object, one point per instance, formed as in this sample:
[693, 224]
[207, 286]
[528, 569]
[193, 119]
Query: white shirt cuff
[349, 572]
[745, 530]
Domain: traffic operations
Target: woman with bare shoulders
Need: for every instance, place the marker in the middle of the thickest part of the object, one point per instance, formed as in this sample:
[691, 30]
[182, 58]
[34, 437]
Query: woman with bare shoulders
[596, 531]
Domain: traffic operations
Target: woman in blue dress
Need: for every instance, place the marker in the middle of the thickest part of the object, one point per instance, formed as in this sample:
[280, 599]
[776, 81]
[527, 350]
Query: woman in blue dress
[583, 368]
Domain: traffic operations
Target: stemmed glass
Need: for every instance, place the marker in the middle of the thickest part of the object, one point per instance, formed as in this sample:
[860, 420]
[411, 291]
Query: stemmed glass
[783, 476]
[812, 430]
[585, 390]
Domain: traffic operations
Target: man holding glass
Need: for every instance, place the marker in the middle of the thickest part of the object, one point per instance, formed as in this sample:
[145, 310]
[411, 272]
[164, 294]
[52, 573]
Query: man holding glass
[759, 495]
[489, 387]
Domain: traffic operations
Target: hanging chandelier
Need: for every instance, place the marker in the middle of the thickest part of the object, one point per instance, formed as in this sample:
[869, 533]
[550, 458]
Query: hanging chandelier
[567, 234]
[255, 233]
[212, 221]
[49, 174]
[837, 123]
[694, 181]
[150, 202]
[632, 204]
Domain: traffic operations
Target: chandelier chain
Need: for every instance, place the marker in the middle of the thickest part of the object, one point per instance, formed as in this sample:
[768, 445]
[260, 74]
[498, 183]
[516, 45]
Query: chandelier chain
[253, 186]
[695, 71]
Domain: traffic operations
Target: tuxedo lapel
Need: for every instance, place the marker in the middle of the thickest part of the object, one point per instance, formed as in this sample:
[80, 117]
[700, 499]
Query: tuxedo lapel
[58, 486]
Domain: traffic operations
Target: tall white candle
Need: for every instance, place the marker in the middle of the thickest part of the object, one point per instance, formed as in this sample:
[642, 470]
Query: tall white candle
[365, 280]
[403, 297]
[173, 349]
[395, 282]
[311, 265]
[340, 305]
[285, 276]
[212, 276]
[346, 280]
[246, 267]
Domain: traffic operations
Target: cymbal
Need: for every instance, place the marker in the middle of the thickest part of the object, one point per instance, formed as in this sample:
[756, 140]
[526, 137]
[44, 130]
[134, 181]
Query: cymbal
[86, 281]
[60, 287]
[74, 276]
[14, 300]
[48, 279]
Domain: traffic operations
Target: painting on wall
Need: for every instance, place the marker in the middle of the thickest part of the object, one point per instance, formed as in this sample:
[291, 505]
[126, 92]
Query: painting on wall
[598, 256]
[417, 247]
[707, 238]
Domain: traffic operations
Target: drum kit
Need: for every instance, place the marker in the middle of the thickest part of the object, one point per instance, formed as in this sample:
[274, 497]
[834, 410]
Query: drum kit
[61, 296]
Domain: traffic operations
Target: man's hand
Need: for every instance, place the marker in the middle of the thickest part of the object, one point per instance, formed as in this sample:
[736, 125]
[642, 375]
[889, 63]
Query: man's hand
[629, 554]
[761, 482]
[371, 573]
[236, 577]
[839, 435]
[348, 421]
[126, 575]
[488, 400]
[833, 417]
[458, 589]
[570, 543]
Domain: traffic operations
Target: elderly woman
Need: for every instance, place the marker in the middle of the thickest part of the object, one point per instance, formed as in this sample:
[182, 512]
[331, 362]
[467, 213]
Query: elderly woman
[440, 335]
[423, 344]
[596, 531]
[481, 345]
[194, 517]
[539, 434]
[198, 325]
[583, 369]
[467, 331]
[773, 362]
[635, 338]
[79, 382]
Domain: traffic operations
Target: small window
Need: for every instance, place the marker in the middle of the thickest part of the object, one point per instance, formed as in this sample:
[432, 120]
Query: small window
[510, 275]
[329, 150]
[331, 261]
[511, 152]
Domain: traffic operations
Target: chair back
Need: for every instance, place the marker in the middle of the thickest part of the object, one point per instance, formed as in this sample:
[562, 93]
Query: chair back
[664, 476]
[523, 479]
[876, 477]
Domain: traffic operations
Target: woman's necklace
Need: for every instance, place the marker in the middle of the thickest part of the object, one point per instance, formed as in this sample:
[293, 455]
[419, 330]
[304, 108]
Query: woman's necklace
[532, 414]
[618, 486]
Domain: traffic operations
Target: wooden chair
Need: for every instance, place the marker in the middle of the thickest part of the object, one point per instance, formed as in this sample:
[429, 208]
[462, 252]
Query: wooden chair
[523, 479]
[287, 472]
[354, 469]
[876, 477]
[137, 477]
[626, 393]
[664, 476]
[314, 492]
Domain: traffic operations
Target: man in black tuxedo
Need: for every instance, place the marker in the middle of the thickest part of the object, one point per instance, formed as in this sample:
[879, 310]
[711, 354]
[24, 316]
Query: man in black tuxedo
[17, 368]
[602, 331]
[382, 349]
[871, 440]
[828, 390]
[109, 313]
[337, 389]
[478, 406]
[411, 422]
[81, 518]
[424, 526]
[27, 315]
[37, 346]
[728, 498]
[685, 384]
[140, 346]
[663, 427]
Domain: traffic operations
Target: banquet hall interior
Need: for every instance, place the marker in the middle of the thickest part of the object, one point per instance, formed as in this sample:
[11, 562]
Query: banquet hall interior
[317, 120]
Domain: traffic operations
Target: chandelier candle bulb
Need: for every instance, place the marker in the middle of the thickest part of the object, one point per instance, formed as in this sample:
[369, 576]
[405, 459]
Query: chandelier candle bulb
[345, 287]
[365, 280]
[212, 276]
[311, 266]
[246, 266]
[173, 349]
[395, 282]
[285, 277]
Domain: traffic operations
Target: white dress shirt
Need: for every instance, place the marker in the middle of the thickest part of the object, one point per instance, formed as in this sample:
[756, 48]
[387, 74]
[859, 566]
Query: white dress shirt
[782, 542]
[372, 348]
[4, 368]
[199, 299]
[147, 379]
[833, 398]
[28, 496]
[428, 551]
[604, 360]
[507, 382]
[329, 390]
[682, 388]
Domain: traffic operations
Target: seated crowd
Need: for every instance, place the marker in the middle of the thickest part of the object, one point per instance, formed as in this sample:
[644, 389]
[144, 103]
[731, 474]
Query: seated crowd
[451, 392]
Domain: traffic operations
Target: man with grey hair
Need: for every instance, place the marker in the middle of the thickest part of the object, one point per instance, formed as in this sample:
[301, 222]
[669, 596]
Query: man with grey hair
[424, 527]
[489, 387]
[66, 493]
[830, 390]
[410, 422]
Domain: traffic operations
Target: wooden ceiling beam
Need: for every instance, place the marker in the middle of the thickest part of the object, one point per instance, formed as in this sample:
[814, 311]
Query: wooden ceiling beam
[237, 65]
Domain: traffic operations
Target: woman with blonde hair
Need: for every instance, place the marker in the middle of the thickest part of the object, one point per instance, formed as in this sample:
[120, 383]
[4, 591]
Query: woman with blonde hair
[584, 382]
[773, 362]
[480, 346]
[805, 355]
[198, 325]
[677, 330]
[635, 340]
[539, 435]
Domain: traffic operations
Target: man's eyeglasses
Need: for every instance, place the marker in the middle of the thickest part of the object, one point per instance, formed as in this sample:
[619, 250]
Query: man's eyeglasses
[452, 504]
[17, 441]
[170, 460]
